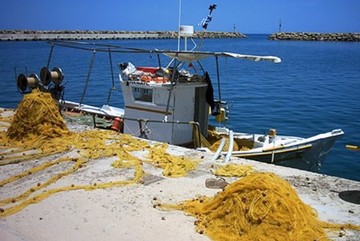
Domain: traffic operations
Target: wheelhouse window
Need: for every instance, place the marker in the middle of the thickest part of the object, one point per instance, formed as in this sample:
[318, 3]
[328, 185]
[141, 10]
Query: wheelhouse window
[142, 94]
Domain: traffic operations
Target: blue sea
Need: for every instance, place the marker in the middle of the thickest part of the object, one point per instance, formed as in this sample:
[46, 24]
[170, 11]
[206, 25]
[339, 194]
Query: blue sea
[315, 89]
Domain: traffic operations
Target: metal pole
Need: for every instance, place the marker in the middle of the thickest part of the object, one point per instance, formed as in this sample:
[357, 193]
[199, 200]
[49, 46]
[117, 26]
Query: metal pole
[88, 76]
[280, 25]
[50, 55]
[49, 59]
[179, 25]
[112, 78]
[159, 62]
[218, 76]
[172, 83]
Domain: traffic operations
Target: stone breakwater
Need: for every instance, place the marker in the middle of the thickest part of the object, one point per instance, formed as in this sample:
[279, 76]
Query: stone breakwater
[301, 36]
[33, 35]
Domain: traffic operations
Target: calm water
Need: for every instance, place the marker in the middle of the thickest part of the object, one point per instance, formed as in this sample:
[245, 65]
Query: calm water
[315, 89]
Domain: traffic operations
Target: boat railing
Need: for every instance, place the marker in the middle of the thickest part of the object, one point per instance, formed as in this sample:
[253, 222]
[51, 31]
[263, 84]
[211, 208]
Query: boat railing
[142, 127]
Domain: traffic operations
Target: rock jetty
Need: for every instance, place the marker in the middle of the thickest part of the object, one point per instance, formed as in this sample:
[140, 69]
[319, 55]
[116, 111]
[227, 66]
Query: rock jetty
[302, 36]
[33, 35]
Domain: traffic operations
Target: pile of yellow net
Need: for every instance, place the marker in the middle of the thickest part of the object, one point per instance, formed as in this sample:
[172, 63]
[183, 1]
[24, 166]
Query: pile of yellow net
[260, 206]
[37, 116]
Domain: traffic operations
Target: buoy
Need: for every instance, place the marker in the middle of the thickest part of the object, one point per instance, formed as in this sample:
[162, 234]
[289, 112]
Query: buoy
[117, 124]
[352, 147]
[221, 117]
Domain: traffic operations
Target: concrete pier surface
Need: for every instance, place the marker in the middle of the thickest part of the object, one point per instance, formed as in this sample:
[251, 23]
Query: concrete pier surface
[35, 35]
[128, 213]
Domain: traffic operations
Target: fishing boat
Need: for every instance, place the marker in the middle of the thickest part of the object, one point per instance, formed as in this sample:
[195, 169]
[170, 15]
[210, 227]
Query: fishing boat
[173, 103]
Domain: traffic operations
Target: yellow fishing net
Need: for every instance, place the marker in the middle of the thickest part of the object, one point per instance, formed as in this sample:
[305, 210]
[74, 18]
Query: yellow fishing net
[38, 130]
[233, 170]
[37, 116]
[173, 166]
[214, 139]
[260, 206]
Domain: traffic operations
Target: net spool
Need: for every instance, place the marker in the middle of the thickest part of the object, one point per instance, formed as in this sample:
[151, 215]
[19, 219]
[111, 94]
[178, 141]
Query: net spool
[55, 75]
[31, 81]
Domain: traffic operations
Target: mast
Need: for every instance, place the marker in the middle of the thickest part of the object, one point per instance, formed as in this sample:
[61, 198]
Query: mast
[179, 25]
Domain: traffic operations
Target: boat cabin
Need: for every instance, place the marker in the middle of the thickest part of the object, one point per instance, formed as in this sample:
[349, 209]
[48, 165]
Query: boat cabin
[163, 104]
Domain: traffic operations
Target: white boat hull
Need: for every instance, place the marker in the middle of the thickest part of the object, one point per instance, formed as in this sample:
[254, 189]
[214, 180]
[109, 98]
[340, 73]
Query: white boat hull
[304, 153]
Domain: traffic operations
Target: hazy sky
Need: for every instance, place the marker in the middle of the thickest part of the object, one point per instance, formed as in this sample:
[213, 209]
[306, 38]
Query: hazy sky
[249, 16]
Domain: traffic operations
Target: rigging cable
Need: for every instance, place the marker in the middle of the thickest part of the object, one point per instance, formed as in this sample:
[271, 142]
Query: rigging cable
[112, 78]
[88, 76]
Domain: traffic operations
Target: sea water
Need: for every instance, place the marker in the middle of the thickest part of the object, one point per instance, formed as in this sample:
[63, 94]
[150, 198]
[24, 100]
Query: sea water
[315, 89]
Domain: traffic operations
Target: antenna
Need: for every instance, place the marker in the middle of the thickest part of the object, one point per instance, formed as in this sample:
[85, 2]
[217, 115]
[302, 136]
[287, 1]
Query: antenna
[179, 25]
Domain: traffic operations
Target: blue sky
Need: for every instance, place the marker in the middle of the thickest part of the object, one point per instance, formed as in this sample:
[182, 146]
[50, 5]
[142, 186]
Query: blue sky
[249, 16]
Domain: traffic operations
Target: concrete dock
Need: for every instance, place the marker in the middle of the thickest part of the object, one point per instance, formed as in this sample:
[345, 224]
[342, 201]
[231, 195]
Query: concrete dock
[128, 213]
